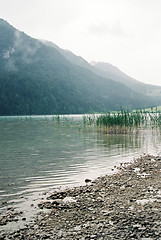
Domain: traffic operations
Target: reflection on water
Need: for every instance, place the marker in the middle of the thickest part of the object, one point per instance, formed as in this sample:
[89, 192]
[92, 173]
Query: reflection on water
[38, 153]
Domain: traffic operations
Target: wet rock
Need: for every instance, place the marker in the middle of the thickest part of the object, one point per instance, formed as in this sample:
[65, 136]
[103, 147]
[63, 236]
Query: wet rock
[88, 180]
[58, 195]
[9, 216]
[45, 204]
[107, 208]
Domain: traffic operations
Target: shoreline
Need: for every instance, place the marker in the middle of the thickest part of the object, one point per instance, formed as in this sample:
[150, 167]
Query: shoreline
[124, 205]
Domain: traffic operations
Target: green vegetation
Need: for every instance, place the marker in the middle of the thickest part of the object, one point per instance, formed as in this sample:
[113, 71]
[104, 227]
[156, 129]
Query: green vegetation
[120, 119]
[153, 109]
[123, 121]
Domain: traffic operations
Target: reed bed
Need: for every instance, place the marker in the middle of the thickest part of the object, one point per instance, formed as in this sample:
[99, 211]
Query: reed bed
[123, 121]
[111, 122]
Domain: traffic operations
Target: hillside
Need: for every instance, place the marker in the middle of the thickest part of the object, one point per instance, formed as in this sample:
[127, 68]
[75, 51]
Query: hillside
[39, 79]
[107, 70]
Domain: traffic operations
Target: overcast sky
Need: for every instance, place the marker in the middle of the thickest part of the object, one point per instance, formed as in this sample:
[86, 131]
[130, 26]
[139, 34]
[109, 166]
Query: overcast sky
[125, 33]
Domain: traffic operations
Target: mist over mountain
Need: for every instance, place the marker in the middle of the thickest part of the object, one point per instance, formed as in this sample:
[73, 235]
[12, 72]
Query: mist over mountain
[38, 77]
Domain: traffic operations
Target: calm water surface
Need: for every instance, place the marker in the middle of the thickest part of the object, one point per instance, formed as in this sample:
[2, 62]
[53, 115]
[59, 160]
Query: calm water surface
[37, 153]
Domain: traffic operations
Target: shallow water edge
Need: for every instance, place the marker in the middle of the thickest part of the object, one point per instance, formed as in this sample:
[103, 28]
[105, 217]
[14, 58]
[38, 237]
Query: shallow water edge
[125, 205]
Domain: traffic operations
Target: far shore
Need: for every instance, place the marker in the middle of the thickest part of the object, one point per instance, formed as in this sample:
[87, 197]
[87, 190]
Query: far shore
[125, 205]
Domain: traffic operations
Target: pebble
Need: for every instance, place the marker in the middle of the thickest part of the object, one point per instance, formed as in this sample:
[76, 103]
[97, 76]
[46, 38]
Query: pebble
[105, 209]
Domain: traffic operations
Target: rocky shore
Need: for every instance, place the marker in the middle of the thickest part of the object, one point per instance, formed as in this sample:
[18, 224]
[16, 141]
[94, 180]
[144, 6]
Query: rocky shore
[125, 205]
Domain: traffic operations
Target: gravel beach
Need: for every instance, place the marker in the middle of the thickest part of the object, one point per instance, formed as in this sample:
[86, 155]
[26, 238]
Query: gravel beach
[124, 205]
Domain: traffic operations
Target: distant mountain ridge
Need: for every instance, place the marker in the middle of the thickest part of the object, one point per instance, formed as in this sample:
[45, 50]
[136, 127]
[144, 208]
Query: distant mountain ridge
[107, 70]
[40, 78]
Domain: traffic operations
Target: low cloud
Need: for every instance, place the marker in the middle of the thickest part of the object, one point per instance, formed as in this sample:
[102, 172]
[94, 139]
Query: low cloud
[26, 51]
[10, 62]
[8, 53]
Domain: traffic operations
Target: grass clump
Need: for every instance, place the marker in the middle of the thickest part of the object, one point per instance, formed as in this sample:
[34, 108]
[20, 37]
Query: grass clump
[124, 121]
[123, 118]
[89, 119]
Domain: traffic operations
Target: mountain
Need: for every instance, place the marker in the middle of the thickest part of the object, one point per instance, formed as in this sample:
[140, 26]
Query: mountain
[36, 78]
[107, 70]
[71, 57]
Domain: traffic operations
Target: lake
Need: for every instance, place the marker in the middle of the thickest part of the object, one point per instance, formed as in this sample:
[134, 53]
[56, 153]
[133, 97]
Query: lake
[40, 153]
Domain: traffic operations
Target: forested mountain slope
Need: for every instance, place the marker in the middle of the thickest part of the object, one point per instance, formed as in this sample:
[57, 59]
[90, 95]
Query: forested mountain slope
[107, 70]
[38, 79]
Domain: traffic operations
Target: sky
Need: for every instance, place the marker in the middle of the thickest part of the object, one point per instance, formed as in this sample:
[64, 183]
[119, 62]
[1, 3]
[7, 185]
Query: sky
[124, 33]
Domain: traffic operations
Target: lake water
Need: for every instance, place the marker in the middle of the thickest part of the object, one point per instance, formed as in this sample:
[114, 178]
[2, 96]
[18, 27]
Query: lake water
[37, 153]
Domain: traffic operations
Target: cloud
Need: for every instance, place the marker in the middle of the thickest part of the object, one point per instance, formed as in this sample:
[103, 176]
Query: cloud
[11, 66]
[7, 54]
[21, 47]
[26, 49]
[10, 62]
[113, 28]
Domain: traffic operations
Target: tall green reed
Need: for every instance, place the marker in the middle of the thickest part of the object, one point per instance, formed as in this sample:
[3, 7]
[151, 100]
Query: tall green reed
[123, 121]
